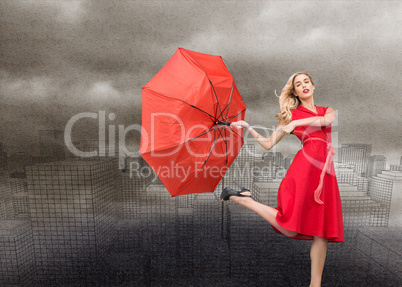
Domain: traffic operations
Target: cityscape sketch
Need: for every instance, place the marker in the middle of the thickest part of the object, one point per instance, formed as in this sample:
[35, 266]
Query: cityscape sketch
[68, 220]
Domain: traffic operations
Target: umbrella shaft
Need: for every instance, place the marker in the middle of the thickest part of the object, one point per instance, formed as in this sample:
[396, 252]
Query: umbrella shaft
[264, 128]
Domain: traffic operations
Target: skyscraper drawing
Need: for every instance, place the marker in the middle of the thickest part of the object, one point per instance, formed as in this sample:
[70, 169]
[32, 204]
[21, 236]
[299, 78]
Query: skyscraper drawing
[242, 168]
[376, 164]
[356, 155]
[6, 205]
[73, 215]
[17, 262]
[385, 189]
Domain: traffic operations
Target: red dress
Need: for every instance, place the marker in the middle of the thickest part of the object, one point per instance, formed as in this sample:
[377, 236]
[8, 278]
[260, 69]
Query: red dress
[308, 196]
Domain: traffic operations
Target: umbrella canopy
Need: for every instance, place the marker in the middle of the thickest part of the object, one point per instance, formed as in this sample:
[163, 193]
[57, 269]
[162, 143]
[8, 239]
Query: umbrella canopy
[187, 108]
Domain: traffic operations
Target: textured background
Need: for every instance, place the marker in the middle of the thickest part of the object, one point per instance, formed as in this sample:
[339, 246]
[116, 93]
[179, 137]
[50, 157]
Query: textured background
[59, 58]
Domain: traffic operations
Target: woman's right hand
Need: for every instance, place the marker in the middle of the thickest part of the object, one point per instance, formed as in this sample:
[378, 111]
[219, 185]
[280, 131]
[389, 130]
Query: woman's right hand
[239, 125]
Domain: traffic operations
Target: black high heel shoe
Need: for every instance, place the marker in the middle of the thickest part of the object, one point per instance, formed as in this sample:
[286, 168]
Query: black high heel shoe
[228, 192]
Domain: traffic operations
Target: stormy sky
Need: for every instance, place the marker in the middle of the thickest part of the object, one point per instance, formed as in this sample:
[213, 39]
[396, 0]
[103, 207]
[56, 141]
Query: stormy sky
[60, 58]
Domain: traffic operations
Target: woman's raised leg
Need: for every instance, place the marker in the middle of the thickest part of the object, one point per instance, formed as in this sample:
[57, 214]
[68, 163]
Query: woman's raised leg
[265, 211]
[317, 254]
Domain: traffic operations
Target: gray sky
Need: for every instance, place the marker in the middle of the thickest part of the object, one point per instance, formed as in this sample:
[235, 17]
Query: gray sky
[59, 58]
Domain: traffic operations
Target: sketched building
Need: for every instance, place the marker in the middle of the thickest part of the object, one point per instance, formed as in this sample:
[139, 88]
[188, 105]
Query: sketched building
[19, 196]
[6, 205]
[396, 167]
[244, 224]
[211, 256]
[241, 169]
[288, 160]
[137, 166]
[385, 190]
[274, 167]
[73, 215]
[185, 235]
[17, 162]
[167, 222]
[268, 192]
[132, 186]
[275, 157]
[376, 164]
[345, 173]
[356, 155]
[357, 206]
[264, 171]
[17, 262]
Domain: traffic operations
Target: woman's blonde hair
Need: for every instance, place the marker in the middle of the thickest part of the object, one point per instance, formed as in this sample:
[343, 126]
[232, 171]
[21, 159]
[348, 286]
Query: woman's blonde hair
[287, 100]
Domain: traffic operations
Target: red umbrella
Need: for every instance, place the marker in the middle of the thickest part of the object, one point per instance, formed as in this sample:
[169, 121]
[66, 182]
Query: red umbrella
[186, 112]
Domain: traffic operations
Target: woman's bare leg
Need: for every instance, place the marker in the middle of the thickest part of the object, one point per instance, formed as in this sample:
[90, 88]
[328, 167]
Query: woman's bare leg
[317, 254]
[265, 211]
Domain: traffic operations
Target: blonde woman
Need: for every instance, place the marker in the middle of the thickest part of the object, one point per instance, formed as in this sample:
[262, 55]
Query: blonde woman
[309, 205]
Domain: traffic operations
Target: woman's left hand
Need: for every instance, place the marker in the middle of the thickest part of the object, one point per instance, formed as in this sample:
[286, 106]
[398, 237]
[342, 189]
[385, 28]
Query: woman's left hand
[288, 128]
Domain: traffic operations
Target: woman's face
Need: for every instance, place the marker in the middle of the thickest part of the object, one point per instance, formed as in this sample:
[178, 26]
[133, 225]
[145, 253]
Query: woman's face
[303, 86]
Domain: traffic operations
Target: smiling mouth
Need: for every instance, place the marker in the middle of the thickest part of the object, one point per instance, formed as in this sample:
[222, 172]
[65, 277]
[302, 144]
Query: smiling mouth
[306, 91]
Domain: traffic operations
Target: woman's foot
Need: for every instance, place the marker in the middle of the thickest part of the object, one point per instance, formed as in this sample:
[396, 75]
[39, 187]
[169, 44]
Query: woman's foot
[228, 192]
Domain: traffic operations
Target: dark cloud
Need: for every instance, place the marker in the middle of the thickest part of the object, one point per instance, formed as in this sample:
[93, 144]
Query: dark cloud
[59, 58]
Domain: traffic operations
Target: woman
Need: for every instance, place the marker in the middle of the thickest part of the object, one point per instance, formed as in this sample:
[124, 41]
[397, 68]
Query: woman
[309, 205]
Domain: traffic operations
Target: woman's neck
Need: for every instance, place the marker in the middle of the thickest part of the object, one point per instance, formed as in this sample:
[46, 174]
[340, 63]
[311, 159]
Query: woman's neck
[308, 104]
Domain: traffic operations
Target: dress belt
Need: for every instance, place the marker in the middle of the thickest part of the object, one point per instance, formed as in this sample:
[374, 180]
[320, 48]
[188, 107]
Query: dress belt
[326, 169]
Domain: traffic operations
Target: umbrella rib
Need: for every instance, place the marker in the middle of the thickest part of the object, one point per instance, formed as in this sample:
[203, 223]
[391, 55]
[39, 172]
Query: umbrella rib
[232, 132]
[230, 100]
[226, 143]
[210, 152]
[236, 134]
[209, 115]
[213, 88]
[229, 119]
[211, 129]
[225, 140]
[221, 135]
[228, 105]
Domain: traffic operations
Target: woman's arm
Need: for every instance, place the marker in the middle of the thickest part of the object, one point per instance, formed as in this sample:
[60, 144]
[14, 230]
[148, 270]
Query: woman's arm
[323, 121]
[266, 143]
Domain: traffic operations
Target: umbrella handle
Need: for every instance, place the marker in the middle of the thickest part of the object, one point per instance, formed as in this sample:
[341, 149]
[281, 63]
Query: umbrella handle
[223, 123]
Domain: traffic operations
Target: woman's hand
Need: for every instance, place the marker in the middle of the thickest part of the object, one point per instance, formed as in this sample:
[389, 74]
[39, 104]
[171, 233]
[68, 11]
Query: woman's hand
[239, 125]
[287, 129]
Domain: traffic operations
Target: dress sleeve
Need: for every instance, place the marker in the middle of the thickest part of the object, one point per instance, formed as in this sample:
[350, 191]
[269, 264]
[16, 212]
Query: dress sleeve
[295, 115]
[327, 129]
[324, 110]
